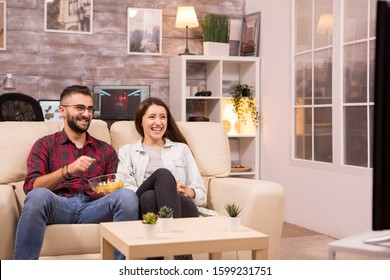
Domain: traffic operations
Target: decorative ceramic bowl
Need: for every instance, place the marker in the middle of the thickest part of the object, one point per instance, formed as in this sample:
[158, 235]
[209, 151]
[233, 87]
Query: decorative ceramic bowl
[106, 183]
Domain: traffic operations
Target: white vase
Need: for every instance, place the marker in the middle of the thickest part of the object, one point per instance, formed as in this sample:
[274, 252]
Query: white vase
[233, 223]
[165, 224]
[216, 49]
[149, 230]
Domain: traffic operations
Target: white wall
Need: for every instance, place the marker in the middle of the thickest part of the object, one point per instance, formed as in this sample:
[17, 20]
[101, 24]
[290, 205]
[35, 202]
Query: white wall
[327, 198]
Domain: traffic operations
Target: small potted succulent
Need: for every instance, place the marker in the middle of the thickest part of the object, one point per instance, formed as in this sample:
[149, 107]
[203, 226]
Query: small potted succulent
[165, 216]
[233, 219]
[149, 222]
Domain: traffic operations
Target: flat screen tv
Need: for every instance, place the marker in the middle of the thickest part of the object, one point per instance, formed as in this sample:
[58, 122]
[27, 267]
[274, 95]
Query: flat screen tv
[381, 155]
[118, 102]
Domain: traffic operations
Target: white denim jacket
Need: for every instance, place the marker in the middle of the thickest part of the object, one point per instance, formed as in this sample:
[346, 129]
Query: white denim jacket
[177, 158]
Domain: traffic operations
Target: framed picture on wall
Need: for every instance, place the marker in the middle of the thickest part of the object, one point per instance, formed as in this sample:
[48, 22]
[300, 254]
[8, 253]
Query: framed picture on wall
[69, 16]
[3, 27]
[250, 35]
[50, 110]
[144, 31]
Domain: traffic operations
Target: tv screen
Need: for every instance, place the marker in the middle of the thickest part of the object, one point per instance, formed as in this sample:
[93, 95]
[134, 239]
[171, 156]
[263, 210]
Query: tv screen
[118, 102]
[381, 155]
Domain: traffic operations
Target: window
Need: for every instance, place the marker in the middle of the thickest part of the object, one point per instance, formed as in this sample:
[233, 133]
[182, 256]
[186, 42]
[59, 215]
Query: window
[358, 97]
[317, 108]
[313, 80]
[73, 6]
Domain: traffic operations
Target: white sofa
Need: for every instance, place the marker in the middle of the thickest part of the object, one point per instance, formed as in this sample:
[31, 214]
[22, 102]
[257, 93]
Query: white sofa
[262, 201]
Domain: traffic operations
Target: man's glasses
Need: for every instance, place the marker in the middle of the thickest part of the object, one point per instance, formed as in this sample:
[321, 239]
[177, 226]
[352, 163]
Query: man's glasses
[81, 108]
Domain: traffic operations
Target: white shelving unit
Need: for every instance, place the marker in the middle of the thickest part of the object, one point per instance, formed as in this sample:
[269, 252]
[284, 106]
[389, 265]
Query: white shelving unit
[218, 74]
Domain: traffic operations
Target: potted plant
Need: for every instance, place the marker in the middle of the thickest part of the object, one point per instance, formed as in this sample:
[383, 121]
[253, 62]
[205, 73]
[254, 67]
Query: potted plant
[215, 34]
[165, 216]
[149, 222]
[233, 220]
[244, 104]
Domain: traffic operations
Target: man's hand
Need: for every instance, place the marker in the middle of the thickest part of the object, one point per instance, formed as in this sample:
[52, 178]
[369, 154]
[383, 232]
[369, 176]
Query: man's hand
[80, 165]
[96, 195]
[51, 180]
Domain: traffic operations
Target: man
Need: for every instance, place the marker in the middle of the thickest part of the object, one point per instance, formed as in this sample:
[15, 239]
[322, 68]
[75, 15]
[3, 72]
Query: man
[56, 184]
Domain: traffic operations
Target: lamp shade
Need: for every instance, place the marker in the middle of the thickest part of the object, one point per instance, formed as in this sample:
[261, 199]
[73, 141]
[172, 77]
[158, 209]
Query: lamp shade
[228, 113]
[9, 82]
[325, 23]
[186, 17]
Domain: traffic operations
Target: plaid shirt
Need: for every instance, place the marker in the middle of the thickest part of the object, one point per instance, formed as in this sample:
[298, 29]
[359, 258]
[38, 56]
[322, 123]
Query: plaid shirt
[54, 151]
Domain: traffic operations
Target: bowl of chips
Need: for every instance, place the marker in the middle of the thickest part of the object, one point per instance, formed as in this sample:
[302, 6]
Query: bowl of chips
[106, 183]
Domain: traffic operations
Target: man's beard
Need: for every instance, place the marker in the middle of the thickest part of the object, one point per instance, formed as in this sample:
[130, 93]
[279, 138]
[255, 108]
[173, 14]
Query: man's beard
[73, 125]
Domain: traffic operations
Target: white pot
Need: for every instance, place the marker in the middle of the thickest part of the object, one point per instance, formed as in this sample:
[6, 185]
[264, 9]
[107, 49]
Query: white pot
[216, 49]
[149, 230]
[233, 224]
[165, 224]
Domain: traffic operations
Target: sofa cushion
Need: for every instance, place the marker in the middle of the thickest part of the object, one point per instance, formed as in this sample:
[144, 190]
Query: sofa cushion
[15, 146]
[208, 142]
[122, 133]
[210, 145]
[99, 130]
[9, 216]
[73, 239]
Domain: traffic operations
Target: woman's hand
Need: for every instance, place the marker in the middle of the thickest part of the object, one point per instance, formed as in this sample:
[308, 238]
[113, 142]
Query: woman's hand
[184, 190]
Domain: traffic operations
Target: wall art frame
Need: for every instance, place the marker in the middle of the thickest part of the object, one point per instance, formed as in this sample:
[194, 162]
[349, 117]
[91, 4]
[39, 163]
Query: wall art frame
[144, 31]
[68, 16]
[50, 110]
[3, 25]
[250, 35]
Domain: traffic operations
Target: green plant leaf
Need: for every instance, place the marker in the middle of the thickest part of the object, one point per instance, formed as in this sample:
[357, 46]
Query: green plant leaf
[240, 102]
[149, 218]
[232, 209]
[165, 212]
[215, 28]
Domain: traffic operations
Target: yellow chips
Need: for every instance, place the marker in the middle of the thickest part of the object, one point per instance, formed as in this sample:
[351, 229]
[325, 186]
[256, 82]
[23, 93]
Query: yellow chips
[109, 186]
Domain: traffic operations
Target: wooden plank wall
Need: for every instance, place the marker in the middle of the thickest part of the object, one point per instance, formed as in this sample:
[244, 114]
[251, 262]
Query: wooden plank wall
[43, 63]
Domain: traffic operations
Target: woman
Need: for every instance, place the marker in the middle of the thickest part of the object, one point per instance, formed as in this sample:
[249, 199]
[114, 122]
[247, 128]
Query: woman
[160, 167]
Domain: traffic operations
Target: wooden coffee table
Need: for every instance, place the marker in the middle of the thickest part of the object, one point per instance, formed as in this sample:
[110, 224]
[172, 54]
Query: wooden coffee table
[188, 236]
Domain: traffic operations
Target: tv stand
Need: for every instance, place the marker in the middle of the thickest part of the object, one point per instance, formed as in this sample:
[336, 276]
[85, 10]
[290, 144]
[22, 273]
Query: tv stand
[378, 240]
[357, 244]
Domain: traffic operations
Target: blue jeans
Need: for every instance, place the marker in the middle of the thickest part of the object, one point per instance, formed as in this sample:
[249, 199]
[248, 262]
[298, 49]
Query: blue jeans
[43, 207]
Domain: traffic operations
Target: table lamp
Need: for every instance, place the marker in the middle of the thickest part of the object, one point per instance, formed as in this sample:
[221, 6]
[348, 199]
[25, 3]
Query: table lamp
[186, 18]
[230, 120]
[325, 23]
[325, 26]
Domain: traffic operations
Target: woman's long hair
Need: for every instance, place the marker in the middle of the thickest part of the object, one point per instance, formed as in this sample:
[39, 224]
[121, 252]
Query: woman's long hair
[173, 132]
